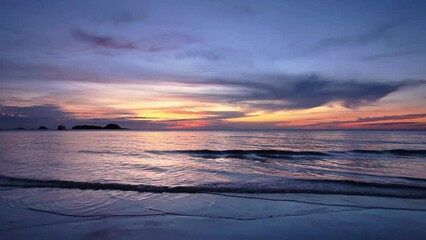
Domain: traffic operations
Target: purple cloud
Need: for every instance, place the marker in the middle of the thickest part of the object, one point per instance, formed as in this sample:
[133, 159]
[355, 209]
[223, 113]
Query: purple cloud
[102, 41]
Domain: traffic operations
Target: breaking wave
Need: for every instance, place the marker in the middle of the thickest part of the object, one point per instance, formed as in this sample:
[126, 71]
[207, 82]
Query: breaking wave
[311, 186]
[275, 154]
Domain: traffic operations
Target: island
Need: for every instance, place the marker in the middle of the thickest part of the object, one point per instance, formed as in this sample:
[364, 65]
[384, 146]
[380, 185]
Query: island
[110, 126]
[43, 128]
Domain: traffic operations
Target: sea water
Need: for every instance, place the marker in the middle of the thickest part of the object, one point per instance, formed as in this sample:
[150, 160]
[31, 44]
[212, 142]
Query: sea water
[162, 172]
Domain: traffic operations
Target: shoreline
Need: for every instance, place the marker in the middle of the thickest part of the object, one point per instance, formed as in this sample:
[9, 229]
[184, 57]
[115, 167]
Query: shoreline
[298, 220]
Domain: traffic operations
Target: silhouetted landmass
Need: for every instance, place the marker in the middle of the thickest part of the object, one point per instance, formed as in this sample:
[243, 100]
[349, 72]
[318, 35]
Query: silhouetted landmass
[83, 127]
[42, 128]
[62, 127]
[110, 126]
[20, 128]
[113, 126]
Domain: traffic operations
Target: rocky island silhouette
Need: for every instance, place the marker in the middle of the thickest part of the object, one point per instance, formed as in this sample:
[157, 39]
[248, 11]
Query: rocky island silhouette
[110, 126]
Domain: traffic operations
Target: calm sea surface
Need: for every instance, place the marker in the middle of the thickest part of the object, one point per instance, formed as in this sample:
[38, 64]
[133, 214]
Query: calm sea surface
[213, 174]
[360, 162]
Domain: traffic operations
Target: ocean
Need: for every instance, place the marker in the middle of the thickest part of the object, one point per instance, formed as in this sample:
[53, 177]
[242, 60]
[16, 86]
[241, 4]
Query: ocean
[122, 173]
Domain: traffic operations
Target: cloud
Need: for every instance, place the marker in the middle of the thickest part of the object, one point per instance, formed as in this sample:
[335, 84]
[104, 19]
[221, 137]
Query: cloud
[396, 125]
[167, 42]
[40, 111]
[102, 41]
[392, 55]
[302, 92]
[32, 116]
[393, 117]
[369, 125]
[377, 122]
[365, 38]
[210, 55]
[208, 115]
[128, 17]
[12, 71]
[157, 43]
[206, 120]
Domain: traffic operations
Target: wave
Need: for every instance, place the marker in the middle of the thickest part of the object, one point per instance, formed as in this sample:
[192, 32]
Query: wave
[403, 152]
[106, 152]
[263, 155]
[271, 154]
[244, 154]
[310, 186]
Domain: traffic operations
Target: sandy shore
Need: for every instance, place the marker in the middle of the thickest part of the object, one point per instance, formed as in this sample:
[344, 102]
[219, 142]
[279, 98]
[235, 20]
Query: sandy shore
[293, 216]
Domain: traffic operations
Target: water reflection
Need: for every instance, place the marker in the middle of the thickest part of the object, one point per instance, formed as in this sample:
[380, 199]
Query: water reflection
[138, 157]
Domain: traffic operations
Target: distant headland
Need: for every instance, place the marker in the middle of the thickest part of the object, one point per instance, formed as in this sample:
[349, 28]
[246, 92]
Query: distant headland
[110, 126]
[62, 127]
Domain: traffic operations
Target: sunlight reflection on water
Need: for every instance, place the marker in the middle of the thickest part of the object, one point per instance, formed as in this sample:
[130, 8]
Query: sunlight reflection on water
[139, 157]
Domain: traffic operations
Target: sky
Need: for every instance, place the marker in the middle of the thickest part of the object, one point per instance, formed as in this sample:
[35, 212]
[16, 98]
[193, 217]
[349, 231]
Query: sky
[223, 64]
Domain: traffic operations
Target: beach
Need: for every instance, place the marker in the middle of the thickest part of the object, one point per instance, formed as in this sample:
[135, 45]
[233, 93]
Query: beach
[212, 185]
[225, 119]
[191, 217]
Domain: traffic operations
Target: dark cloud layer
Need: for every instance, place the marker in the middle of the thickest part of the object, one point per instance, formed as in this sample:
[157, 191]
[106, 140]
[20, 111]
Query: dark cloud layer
[393, 117]
[375, 34]
[286, 92]
[102, 41]
[32, 116]
[41, 111]
[397, 125]
[405, 120]
[152, 44]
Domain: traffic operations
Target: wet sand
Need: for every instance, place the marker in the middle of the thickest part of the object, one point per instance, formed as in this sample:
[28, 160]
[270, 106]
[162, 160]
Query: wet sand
[267, 216]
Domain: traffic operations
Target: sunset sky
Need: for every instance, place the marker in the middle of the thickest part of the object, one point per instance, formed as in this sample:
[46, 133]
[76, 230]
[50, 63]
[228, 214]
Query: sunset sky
[214, 64]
